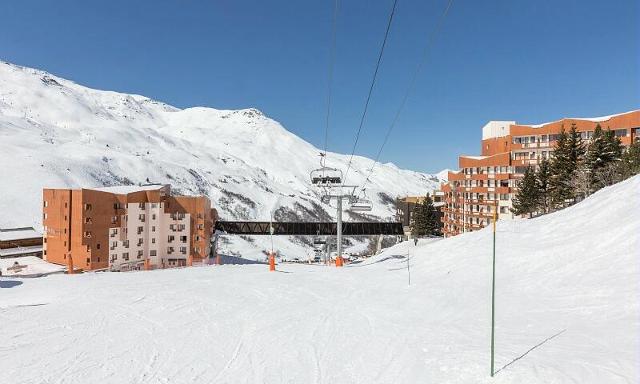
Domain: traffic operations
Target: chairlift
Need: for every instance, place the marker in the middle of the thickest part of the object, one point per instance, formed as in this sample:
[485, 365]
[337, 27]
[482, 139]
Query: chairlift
[326, 176]
[361, 205]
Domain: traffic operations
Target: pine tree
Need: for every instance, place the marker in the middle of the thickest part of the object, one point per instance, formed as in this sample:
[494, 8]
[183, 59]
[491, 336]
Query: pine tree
[630, 162]
[543, 179]
[528, 196]
[566, 161]
[594, 157]
[432, 221]
[418, 222]
[558, 183]
[425, 221]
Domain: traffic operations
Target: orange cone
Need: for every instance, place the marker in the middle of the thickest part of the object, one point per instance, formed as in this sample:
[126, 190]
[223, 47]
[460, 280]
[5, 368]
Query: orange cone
[339, 261]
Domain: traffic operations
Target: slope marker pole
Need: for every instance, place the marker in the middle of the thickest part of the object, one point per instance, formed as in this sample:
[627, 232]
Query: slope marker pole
[493, 289]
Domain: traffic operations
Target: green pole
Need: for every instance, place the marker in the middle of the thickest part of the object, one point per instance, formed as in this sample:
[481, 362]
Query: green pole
[493, 289]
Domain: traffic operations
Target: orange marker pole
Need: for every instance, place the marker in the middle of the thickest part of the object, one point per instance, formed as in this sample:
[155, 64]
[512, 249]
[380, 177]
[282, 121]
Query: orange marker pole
[339, 261]
[69, 264]
[272, 262]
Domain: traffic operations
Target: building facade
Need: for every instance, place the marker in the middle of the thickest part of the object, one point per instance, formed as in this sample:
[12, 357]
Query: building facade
[125, 228]
[488, 183]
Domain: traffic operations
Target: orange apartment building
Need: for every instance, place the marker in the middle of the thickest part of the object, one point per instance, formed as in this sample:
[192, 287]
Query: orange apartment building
[122, 228]
[488, 182]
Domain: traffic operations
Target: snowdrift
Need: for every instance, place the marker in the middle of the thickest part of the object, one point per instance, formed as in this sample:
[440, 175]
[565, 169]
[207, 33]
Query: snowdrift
[567, 312]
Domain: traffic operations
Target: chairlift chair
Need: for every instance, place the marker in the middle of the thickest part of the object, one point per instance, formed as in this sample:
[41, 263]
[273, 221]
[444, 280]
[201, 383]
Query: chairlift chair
[361, 205]
[326, 176]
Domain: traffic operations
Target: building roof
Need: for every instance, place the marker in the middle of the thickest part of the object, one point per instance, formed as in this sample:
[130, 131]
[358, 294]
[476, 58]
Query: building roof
[17, 251]
[599, 119]
[125, 189]
[12, 234]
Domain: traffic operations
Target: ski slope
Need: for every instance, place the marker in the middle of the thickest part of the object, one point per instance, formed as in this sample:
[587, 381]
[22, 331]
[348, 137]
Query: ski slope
[567, 312]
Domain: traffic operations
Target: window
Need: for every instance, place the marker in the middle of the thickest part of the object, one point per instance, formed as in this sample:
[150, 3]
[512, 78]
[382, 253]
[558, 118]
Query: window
[153, 216]
[171, 238]
[87, 234]
[141, 205]
[153, 240]
[98, 246]
[620, 132]
[152, 252]
[114, 219]
[139, 254]
[88, 261]
[116, 205]
[141, 217]
[183, 239]
[87, 220]
[153, 228]
[183, 250]
[126, 243]
[154, 205]
[197, 238]
[44, 216]
[140, 229]
[87, 207]
[503, 210]
[46, 203]
[125, 256]
[114, 256]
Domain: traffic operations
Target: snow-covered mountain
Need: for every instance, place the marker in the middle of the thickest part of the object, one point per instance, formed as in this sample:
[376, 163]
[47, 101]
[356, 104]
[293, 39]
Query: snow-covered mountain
[56, 133]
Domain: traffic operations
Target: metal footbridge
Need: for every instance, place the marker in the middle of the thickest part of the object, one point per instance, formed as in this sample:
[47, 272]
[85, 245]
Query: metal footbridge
[308, 228]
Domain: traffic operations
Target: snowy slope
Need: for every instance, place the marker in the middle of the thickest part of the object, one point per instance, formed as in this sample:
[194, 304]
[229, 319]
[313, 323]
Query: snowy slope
[55, 133]
[566, 296]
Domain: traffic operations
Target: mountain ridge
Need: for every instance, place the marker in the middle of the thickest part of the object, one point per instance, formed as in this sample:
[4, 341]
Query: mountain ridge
[57, 133]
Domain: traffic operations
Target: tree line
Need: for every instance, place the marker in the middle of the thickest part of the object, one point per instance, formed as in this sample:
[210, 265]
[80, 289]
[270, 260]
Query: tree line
[575, 170]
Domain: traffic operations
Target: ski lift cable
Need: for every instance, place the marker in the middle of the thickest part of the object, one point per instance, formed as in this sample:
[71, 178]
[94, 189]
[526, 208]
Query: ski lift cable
[425, 56]
[373, 82]
[332, 53]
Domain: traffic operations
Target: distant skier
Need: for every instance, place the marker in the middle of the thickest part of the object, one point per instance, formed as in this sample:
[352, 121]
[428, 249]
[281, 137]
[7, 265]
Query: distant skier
[415, 241]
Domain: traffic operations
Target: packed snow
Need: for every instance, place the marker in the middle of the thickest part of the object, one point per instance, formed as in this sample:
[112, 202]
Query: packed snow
[56, 133]
[567, 311]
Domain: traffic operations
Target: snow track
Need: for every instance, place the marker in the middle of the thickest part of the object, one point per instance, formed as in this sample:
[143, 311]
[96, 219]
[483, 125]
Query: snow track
[567, 312]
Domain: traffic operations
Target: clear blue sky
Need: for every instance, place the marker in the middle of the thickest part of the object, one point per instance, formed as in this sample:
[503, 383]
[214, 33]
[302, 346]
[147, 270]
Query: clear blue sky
[529, 61]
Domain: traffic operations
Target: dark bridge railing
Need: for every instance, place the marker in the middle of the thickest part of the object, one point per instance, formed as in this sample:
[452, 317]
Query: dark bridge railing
[311, 229]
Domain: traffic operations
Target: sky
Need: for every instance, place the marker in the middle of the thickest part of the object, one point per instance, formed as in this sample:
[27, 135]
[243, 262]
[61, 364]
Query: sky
[522, 60]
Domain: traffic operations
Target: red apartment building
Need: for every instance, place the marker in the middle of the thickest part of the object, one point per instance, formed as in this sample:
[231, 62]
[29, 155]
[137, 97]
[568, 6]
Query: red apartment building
[489, 181]
[125, 228]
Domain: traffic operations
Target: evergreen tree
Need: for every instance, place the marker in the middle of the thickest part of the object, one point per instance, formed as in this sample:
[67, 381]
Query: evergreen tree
[594, 158]
[433, 223]
[425, 221]
[630, 162]
[559, 185]
[543, 179]
[566, 160]
[418, 222]
[528, 196]
[612, 147]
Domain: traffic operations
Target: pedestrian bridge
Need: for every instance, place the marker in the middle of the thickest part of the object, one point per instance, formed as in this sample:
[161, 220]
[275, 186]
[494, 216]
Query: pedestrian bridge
[349, 228]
